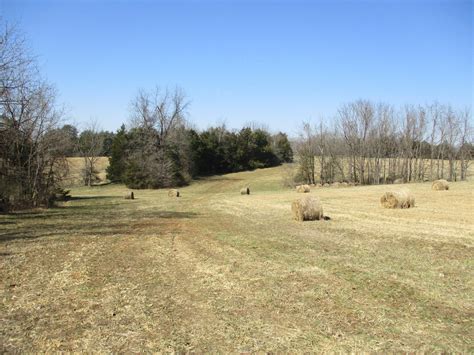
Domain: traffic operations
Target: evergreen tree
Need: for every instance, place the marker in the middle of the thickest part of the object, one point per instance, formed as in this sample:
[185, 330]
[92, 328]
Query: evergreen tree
[282, 148]
[118, 154]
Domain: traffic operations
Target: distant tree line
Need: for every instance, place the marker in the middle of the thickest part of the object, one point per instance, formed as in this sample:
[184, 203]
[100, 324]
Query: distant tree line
[373, 143]
[75, 143]
[160, 150]
[367, 143]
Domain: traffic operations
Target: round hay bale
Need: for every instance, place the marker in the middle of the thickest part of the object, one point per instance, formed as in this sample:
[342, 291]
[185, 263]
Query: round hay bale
[245, 191]
[344, 184]
[440, 185]
[326, 184]
[319, 185]
[336, 184]
[173, 193]
[398, 181]
[307, 208]
[303, 188]
[129, 195]
[398, 199]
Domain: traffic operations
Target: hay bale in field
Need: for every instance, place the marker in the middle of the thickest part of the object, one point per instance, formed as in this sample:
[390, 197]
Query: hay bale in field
[344, 184]
[319, 185]
[173, 193]
[398, 181]
[129, 195]
[336, 184]
[326, 184]
[307, 208]
[303, 188]
[245, 191]
[440, 185]
[398, 199]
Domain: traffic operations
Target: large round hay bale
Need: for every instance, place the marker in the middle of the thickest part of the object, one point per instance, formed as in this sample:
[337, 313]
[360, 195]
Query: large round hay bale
[173, 193]
[245, 191]
[129, 195]
[307, 208]
[336, 184]
[398, 199]
[440, 185]
[319, 185]
[303, 188]
[344, 184]
[326, 184]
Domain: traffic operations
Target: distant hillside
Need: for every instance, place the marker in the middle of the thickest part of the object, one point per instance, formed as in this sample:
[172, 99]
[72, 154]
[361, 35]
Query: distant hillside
[76, 165]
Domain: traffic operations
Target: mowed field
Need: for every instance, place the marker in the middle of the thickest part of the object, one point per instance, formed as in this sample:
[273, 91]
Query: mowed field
[217, 271]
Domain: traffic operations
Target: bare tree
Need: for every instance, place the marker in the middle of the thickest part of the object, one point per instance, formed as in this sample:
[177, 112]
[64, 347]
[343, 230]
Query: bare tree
[452, 137]
[434, 114]
[29, 156]
[466, 142]
[380, 144]
[306, 150]
[158, 120]
[89, 146]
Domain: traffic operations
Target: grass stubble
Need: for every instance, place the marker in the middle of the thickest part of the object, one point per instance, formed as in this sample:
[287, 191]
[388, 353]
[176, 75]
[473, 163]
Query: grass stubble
[217, 271]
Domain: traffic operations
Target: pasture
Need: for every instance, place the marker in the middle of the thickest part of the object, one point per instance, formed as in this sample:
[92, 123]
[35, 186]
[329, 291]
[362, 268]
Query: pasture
[214, 270]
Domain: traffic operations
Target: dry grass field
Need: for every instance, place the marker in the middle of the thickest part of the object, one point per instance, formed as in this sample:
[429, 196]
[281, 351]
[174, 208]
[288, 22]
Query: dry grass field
[218, 271]
[75, 166]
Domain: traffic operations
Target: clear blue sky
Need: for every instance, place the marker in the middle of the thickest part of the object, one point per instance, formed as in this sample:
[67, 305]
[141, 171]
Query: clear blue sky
[275, 62]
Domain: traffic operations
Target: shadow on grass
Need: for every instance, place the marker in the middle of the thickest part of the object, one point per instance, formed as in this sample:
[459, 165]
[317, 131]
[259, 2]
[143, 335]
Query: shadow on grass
[174, 214]
[78, 221]
[7, 222]
[78, 198]
[218, 178]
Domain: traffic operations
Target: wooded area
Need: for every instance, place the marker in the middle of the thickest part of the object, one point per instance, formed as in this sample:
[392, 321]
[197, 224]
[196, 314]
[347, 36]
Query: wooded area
[368, 143]
[31, 154]
[371, 143]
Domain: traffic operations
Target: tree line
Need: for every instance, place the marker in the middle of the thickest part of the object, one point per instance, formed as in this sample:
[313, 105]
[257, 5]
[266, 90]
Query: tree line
[375, 143]
[367, 143]
[161, 150]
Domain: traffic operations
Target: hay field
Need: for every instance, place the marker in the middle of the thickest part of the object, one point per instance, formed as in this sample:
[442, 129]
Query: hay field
[75, 166]
[215, 270]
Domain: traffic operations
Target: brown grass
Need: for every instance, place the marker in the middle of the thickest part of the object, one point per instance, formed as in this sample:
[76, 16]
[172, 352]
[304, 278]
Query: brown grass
[398, 199]
[75, 166]
[307, 208]
[440, 185]
[215, 272]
